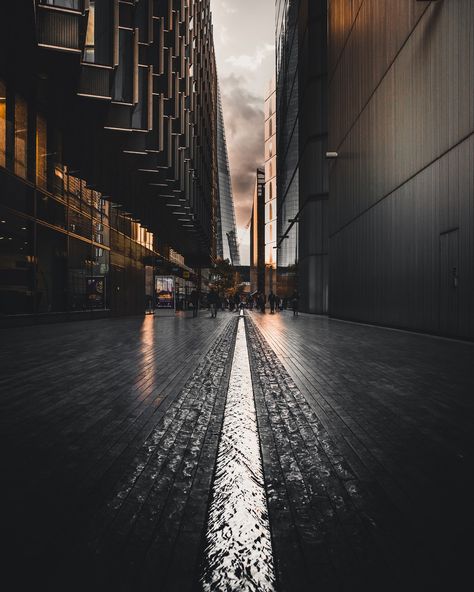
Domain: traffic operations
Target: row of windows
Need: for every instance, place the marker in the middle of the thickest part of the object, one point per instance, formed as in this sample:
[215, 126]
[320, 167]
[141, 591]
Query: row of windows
[49, 175]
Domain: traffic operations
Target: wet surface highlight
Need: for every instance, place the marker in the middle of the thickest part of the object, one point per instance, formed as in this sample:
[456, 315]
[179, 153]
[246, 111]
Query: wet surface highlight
[238, 552]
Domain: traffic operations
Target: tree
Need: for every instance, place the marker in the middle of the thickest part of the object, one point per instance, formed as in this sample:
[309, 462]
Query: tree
[223, 277]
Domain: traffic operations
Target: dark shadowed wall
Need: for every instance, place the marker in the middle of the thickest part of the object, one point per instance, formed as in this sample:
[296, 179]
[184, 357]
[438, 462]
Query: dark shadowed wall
[401, 116]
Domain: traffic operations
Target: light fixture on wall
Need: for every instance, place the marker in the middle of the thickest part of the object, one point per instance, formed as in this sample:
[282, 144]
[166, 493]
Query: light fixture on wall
[332, 155]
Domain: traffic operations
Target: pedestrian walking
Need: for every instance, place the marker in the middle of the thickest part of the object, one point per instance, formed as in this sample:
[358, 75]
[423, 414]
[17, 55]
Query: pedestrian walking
[237, 301]
[295, 303]
[278, 303]
[272, 302]
[194, 298]
[213, 301]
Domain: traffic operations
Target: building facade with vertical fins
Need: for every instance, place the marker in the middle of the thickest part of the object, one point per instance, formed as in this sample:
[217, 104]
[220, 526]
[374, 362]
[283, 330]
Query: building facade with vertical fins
[108, 150]
[227, 246]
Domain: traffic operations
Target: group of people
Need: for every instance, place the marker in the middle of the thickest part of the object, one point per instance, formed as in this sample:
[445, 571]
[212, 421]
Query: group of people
[276, 303]
[238, 301]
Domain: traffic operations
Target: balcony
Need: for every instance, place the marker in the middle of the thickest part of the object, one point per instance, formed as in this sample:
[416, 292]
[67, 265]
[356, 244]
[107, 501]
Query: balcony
[95, 81]
[59, 28]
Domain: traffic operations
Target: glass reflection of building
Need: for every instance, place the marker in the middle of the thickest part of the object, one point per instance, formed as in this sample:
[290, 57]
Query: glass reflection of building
[227, 246]
[287, 144]
[58, 236]
[270, 190]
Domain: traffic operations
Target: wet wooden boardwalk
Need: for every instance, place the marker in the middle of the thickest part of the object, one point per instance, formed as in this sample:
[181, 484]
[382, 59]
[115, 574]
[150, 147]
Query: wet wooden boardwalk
[375, 430]
[109, 435]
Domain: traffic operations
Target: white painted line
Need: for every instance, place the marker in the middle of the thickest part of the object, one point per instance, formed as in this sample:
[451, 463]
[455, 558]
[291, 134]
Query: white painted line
[238, 541]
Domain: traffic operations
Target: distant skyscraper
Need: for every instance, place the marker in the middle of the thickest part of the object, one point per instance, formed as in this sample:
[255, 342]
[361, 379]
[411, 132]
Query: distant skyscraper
[227, 246]
[270, 189]
[257, 235]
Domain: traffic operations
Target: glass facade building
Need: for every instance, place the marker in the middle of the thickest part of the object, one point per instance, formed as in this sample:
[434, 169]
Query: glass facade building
[226, 244]
[302, 178]
[287, 143]
[108, 151]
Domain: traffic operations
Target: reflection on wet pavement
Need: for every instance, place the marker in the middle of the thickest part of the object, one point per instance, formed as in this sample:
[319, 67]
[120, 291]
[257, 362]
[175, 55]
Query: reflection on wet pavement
[239, 552]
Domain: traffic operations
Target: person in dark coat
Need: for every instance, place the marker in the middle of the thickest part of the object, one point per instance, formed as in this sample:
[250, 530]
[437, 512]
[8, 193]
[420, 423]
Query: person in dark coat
[194, 298]
[295, 301]
[272, 301]
[213, 301]
[237, 301]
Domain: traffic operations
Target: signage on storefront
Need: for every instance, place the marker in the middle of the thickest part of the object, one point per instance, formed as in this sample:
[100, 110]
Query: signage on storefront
[164, 292]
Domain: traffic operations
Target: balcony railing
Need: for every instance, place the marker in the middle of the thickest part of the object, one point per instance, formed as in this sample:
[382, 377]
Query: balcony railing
[95, 81]
[59, 29]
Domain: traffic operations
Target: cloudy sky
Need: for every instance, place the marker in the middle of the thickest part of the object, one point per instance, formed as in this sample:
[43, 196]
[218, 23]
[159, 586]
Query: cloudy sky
[244, 37]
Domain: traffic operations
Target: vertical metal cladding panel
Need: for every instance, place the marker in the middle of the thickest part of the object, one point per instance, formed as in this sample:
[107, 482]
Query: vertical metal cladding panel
[94, 81]
[58, 29]
[401, 118]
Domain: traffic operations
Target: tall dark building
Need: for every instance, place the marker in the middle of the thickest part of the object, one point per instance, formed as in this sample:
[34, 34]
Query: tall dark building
[108, 150]
[257, 235]
[227, 245]
[401, 189]
[302, 187]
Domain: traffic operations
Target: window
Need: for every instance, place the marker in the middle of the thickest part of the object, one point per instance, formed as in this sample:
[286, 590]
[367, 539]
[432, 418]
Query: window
[3, 123]
[41, 152]
[89, 47]
[21, 136]
[71, 4]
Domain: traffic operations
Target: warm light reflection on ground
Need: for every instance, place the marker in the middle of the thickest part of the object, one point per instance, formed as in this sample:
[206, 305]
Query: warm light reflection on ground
[146, 367]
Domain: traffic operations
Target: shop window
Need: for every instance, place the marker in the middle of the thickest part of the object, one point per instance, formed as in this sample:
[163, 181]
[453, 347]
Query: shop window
[80, 224]
[41, 152]
[16, 264]
[3, 123]
[51, 274]
[21, 136]
[80, 270]
[51, 210]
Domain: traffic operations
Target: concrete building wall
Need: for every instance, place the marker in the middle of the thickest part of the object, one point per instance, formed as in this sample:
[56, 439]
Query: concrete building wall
[401, 117]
